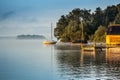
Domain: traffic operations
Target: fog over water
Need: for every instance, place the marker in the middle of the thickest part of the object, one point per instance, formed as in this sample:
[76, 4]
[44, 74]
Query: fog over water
[32, 60]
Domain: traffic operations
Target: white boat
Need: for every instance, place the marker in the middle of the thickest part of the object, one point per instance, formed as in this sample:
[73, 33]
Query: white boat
[50, 41]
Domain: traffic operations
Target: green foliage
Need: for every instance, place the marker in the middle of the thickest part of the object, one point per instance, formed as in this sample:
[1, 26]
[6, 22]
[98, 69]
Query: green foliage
[69, 26]
[99, 35]
[110, 14]
[117, 19]
[62, 23]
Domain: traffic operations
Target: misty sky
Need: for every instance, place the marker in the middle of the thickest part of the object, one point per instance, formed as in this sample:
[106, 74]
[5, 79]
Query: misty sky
[35, 16]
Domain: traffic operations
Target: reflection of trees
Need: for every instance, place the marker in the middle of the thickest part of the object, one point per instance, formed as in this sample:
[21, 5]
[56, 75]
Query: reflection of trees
[69, 58]
[72, 64]
[100, 57]
[68, 63]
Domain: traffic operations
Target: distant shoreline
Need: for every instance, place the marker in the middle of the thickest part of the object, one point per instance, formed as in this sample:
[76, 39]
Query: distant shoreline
[30, 37]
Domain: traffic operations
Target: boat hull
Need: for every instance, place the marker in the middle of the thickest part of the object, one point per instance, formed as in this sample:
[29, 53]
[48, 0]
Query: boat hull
[49, 42]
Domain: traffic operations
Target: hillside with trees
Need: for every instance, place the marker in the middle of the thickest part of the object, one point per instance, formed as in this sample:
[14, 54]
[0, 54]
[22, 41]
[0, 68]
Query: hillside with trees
[69, 28]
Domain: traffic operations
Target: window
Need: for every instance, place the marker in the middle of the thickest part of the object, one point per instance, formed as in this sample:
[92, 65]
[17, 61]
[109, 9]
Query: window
[113, 30]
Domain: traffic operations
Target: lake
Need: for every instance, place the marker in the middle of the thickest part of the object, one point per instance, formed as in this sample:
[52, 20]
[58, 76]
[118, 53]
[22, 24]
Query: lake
[32, 60]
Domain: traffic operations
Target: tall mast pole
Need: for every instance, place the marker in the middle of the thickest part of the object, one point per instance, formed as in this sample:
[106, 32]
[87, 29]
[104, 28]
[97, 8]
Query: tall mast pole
[82, 35]
[82, 32]
[51, 31]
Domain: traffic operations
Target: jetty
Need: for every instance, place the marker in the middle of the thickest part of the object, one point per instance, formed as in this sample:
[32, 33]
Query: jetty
[97, 46]
[93, 47]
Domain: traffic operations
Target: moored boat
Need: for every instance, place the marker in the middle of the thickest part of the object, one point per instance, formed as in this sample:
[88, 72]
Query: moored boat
[49, 42]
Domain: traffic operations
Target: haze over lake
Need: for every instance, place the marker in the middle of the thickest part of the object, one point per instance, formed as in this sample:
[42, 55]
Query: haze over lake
[32, 60]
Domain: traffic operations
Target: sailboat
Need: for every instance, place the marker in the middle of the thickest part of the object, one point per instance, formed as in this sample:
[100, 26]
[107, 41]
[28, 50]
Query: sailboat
[50, 41]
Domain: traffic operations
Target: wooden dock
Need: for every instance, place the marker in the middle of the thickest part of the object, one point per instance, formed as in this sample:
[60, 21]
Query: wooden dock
[92, 47]
[99, 47]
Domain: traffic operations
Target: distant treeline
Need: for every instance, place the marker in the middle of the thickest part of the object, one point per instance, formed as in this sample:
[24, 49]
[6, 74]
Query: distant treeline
[30, 37]
[69, 28]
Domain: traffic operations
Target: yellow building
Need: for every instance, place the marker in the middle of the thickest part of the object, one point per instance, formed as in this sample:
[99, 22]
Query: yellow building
[113, 35]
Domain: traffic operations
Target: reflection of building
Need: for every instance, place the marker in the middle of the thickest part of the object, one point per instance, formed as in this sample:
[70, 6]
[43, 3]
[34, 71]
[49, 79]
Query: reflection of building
[113, 62]
[113, 50]
[113, 56]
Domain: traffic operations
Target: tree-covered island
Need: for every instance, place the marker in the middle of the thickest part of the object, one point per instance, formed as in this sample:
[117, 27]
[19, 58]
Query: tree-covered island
[69, 28]
[30, 37]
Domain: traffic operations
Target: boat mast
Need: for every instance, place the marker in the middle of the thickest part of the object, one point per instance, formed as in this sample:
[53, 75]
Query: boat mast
[51, 31]
[81, 24]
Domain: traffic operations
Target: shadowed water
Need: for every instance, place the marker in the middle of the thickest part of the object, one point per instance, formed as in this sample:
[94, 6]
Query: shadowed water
[32, 60]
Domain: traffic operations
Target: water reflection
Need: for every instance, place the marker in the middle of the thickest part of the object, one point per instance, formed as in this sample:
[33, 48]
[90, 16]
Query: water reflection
[113, 57]
[76, 65]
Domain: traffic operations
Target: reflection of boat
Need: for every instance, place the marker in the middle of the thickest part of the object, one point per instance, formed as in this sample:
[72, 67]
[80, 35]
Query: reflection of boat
[50, 41]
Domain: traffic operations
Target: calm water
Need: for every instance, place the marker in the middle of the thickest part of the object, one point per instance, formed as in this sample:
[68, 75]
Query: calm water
[31, 60]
